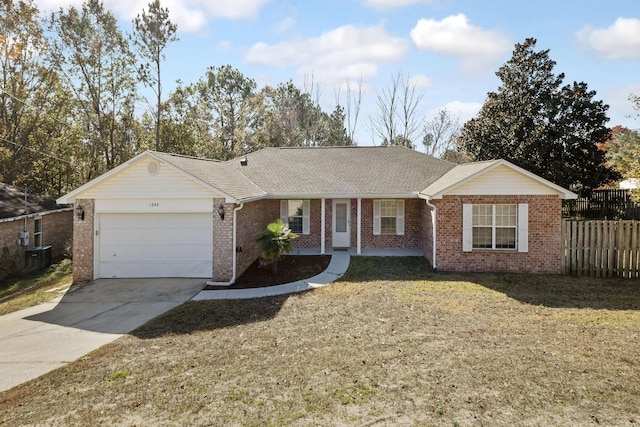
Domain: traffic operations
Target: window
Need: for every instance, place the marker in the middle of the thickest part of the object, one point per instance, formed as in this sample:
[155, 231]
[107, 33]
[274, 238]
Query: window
[499, 226]
[295, 213]
[37, 232]
[388, 217]
[494, 226]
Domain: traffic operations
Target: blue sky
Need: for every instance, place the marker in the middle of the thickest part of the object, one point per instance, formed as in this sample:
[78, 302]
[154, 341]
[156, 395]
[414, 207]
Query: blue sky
[449, 48]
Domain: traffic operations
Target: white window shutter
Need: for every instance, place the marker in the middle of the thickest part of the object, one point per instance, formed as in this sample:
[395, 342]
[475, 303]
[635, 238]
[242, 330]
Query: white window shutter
[400, 218]
[284, 211]
[376, 217]
[467, 227]
[523, 227]
[306, 223]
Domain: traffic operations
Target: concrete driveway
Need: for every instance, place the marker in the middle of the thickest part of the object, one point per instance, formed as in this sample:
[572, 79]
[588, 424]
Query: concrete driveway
[39, 339]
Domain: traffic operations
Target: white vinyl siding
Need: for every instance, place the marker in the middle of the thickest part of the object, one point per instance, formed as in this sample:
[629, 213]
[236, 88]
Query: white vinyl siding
[501, 180]
[499, 226]
[388, 217]
[138, 182]
[295, 213]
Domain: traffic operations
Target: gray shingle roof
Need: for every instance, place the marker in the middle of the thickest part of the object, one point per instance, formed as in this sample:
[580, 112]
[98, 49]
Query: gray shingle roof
[349, 171]
[321, 171]
[12, 202]
[216, 174]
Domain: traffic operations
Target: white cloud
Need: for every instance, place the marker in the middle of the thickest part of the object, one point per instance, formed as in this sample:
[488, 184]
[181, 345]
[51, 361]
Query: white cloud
[463, 111]
[285, 25]
[189, 15]
[345, 52]
[420, 81]
[454, 36]
[389, 4]
[619, 41]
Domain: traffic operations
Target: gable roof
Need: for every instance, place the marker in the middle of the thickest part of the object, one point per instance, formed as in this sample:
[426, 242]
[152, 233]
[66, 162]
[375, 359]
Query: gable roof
[324, 172]
[466, 172]
[341, 171]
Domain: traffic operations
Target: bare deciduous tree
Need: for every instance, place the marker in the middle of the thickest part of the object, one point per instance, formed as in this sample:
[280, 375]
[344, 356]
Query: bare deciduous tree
[440, 131]
[396, 122]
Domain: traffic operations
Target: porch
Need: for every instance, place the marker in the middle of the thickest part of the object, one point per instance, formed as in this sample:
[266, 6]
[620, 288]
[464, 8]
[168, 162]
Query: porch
[363, 251]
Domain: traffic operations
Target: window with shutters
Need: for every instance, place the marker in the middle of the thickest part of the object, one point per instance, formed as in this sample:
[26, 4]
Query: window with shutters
[388, 217]
[295, 213]
[495, 226]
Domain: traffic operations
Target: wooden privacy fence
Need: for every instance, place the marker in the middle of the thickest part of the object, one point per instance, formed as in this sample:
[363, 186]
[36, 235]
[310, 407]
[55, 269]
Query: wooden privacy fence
[602, 204]
[601, 248]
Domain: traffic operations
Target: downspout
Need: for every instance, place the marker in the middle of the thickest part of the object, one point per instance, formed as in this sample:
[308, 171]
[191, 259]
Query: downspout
[235, 255]
[433, 227]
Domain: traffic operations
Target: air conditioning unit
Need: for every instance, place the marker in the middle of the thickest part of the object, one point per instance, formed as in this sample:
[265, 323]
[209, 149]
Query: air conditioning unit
[38, 257]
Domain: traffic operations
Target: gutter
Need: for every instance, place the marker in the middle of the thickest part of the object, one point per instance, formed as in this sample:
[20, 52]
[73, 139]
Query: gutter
[235, 255]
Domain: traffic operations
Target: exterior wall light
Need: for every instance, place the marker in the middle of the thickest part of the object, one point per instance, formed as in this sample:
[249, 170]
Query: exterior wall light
[221, 211]
[80, 212]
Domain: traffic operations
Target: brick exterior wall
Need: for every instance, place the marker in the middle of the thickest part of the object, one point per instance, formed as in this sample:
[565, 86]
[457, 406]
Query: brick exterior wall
[222, 241]
[413, 226]
[57, 229]
[252, 219]
[545, 241]
[83, 238]
[425, 235]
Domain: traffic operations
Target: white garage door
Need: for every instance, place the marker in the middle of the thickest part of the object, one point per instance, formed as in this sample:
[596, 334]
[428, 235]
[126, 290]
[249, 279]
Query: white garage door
[155, 245]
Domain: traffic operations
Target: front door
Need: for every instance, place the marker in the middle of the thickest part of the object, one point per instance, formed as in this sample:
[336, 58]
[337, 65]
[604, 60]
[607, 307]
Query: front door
[341, 235]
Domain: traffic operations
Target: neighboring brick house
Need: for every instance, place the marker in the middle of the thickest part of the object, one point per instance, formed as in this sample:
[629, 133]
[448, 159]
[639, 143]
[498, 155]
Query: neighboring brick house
[164, 215]
[31, 236]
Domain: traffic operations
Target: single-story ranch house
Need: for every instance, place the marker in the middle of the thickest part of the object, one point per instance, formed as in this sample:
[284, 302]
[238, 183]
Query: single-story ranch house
[165, 215]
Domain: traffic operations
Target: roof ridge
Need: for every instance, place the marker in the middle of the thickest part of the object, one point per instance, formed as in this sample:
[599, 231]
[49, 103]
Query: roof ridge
[184, 156]
[318, 147]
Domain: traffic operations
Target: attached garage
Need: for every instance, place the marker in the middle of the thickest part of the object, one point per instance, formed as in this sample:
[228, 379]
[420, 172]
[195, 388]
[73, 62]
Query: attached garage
[145, 219]
[155, 245]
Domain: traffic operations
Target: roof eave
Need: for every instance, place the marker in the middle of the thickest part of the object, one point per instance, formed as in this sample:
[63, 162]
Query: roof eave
[411, 195]
[563, 193]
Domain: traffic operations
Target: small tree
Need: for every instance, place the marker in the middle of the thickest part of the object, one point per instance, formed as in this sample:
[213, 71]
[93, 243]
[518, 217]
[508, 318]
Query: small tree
[276, 240]
[153, 31]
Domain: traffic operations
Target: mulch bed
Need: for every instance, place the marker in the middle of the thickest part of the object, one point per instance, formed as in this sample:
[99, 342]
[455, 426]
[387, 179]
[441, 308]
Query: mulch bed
[290, 269]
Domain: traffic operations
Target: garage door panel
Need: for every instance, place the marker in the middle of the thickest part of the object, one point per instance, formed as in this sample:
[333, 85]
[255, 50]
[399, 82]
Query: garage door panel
[151, 236]
[155, 245]
[146, 252]
[160, 269]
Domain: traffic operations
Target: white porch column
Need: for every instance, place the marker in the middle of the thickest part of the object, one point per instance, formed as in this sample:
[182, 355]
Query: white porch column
[359, 232]
[322, 225]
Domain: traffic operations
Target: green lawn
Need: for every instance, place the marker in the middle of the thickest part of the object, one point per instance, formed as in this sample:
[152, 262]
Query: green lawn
[391, 344]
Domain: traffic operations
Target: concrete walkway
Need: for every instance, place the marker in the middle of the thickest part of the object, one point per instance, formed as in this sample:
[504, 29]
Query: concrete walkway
[336, 269]
[40, 339]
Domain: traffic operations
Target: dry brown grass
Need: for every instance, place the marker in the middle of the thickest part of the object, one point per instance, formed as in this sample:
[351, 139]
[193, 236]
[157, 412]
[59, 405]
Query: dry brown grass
[35, 288]
[391, 344]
